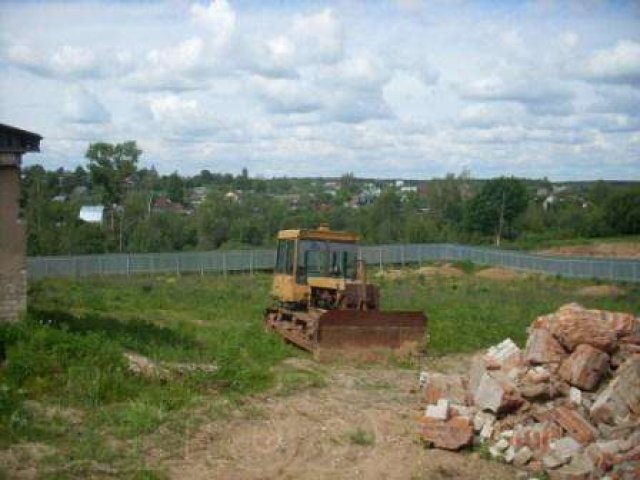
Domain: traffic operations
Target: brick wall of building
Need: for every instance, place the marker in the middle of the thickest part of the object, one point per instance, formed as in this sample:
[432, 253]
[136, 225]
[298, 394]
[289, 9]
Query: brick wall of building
[13, 276]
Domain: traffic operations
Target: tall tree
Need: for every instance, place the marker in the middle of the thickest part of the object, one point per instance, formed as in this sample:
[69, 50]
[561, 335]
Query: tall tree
[110, 166]
[497, 205]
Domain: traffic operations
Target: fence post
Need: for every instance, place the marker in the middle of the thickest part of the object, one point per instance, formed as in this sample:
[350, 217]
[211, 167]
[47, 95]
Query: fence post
[610, 270]
[402, 255]
[251, 263]
[224, 264]
[177, 266]
[128, 264]
[75, 267]
[380, 258]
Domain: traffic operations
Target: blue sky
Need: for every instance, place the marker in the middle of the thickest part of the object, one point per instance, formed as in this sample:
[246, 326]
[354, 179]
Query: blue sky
[405, 88]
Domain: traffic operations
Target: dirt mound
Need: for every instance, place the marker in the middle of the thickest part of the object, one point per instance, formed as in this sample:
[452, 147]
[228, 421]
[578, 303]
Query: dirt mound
[446, 270]
[359, 426]
[499, 273]
[611, 249]
[610, 291]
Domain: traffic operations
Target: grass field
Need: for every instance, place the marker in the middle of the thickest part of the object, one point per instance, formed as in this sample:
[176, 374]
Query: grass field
[66, 392]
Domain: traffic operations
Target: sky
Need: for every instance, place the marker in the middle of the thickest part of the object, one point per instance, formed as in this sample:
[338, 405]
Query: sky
[388, 89]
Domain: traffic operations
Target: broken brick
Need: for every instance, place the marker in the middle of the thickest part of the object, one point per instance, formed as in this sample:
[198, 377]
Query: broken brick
[496, 395]
[579, 468]
[438, 386]
[584, 367]
[451, 434]
[439, 411]
[575, 325]
[537, 436]
[505, 355]
[575, 424]
[621, 396]
[565, 447]
[543, 348]
[522, 456]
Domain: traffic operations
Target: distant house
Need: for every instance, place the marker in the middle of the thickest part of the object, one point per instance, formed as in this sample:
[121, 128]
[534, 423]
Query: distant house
[232, 196]
[197, 195]
[549, 202]
[92, 213]
[163, 204]
[59, 198]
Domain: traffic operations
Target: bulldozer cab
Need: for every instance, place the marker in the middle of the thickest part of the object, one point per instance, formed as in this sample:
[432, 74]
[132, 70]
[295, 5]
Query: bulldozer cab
[308, 258]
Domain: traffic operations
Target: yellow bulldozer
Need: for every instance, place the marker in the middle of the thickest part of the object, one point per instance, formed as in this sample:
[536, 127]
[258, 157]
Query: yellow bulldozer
[322, 300]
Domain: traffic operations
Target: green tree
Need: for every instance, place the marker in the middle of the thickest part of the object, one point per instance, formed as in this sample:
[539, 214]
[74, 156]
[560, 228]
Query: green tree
[386, 219]
[494, 209]
[622, 211]
[175, 188]
[110, 166]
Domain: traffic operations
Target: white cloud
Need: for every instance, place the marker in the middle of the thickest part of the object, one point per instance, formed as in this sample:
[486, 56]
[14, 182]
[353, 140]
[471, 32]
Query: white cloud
[318, 36]
[180, 67]
[82, 106]
[66, 61]
[540, 96]
[407, 95]
[430, 87]
[217, 18]
[620, 64]
[488, 115]
[286, 95]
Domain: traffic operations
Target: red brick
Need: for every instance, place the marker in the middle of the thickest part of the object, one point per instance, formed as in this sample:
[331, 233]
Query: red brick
[537, 437]
[439, 386]
[496, 394]
[622, 396]
[451, 434]
[575, 424]
[584, 367]
[542, 348]
[575, 325]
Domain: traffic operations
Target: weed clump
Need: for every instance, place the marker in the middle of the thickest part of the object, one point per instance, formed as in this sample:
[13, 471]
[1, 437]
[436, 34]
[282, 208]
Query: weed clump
[362, 437]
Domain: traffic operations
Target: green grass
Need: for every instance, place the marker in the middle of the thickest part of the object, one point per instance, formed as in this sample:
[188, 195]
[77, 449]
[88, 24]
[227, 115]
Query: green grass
[532, 241]
[66, 383]
[468, 313]
[68, 354]
[362, 437]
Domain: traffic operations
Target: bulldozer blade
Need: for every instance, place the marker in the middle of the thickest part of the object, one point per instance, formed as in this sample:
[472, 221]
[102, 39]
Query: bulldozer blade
[357, 329]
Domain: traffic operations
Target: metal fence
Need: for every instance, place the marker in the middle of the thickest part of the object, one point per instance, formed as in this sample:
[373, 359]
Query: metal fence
[223, 262]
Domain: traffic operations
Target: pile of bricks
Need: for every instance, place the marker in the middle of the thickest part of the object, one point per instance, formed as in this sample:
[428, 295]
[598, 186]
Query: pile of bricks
[567, 406]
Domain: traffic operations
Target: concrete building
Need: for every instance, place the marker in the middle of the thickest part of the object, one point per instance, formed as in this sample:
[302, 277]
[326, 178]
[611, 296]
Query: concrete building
[13, 269]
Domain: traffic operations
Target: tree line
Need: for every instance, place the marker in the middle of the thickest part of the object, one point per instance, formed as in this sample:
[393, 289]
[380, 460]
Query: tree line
[238, 211]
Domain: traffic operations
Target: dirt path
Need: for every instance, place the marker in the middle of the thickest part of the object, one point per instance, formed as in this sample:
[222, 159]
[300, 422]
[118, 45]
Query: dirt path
[358, 426]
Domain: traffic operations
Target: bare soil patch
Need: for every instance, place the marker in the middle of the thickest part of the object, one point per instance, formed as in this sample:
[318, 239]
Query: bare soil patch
[605, 249]
[609, 291]
[360, 425]
[445, 270]
[499, 273]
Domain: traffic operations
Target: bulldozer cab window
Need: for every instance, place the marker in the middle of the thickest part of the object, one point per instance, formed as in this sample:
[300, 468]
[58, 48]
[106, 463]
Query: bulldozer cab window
[326, 259]
[284, 259]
